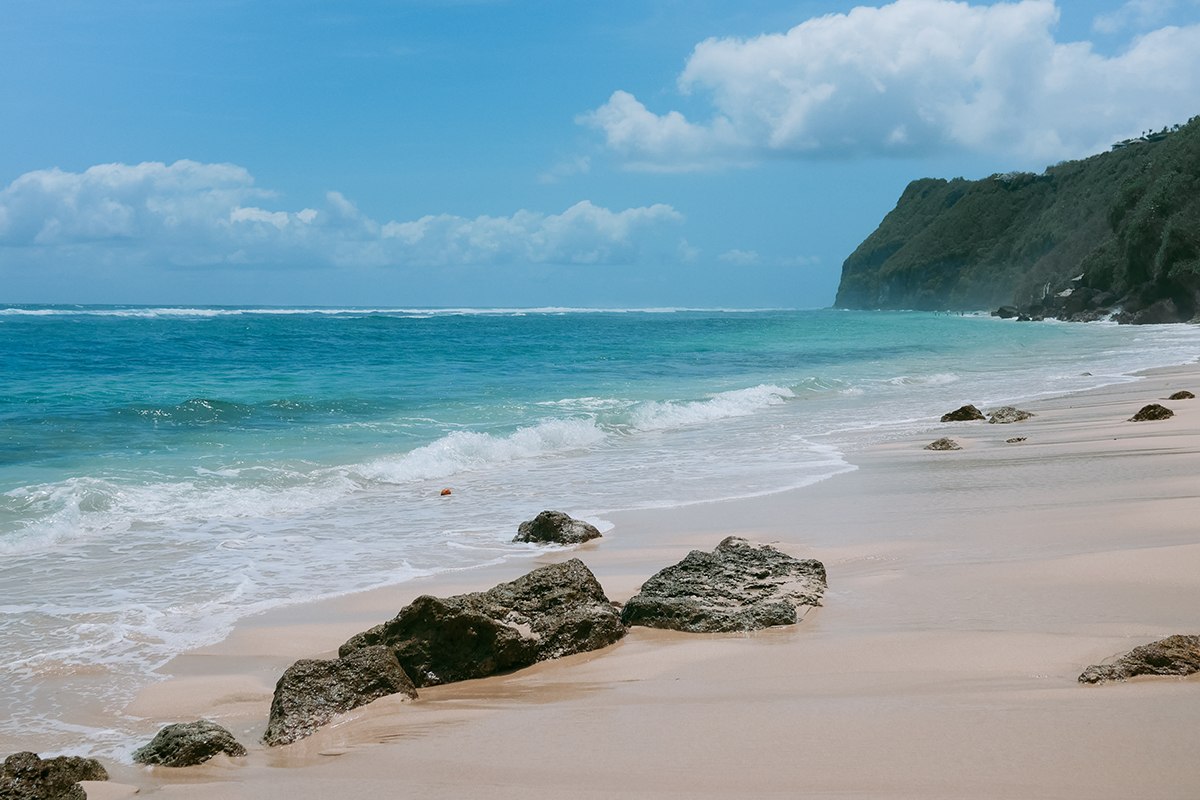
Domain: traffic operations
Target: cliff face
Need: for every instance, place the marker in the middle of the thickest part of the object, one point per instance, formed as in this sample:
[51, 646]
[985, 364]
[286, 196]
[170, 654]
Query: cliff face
[1118, 231]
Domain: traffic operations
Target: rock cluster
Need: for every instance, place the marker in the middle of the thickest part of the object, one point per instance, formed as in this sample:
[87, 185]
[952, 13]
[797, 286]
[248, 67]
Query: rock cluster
[1175, 655]
[27, 777]
[1152, 412]
[967, 413]
[555, 527]
[553, 611]
[740, 586]
[185, 744]
[1007, 414]
[945, 443]
[1182, 395]
[311, 692]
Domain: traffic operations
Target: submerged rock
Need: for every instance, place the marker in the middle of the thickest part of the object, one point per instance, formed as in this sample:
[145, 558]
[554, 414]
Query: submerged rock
[553, 611]
[312, 691]
[27, 777]
[1007, 414]
[965, 414]
[945, 443]
[1175, 655]
[740, 586]
[557, 527]
[185, 744]
[1183, 395]
[1152, 412]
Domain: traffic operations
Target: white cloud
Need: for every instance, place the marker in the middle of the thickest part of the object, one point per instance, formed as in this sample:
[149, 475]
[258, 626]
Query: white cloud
[192, 215]
[912, 78]
[740, 258]
[1135, 13]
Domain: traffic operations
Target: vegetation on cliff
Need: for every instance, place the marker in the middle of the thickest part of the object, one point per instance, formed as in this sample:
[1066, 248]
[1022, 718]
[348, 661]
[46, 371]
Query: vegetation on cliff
[1118, 231]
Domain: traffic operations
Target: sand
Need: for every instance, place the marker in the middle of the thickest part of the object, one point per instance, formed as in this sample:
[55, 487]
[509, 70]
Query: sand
[967, 591]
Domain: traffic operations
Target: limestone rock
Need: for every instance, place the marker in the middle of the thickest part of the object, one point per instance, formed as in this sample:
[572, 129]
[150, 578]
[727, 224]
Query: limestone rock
[965, 414]
[1152, 412]
[1007, 414]
[553, 611]
[1183, 395]
[185, 744]
[1175, 655]
[27, 777]
[557, 527]
[945, 443]
[312, 692]
[740, 586]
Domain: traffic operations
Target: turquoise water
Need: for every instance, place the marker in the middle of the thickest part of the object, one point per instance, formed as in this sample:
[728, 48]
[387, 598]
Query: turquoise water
[166, 471]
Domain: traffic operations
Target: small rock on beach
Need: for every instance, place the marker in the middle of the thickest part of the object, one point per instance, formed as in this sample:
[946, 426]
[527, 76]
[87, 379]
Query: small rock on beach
[1175, 655]
[967, 413]
[556, 527]
[185, 744]
[1007, 414]
[1182, 395]
[27, 777]
[945, 443]
[1152, 412]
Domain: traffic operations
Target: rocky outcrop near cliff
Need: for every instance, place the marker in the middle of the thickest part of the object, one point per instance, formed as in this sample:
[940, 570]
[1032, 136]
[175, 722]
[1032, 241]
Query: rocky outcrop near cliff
[1117, 233]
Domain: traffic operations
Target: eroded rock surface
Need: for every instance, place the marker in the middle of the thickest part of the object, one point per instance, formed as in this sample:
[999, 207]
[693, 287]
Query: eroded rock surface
[553, 611]
[555, 527]
[185, 744]
[945, 443]
[1182, 395]
[1175, 655]
[740, 586]
[1007, 414]
[965, 414]
[1152, 412]
[312, 692]
[27, 777]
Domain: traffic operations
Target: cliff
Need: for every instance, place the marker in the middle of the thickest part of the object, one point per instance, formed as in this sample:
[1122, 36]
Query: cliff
[1118, 232]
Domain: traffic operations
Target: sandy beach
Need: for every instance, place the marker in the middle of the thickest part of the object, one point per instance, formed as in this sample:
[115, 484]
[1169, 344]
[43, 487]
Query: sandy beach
[967, 591]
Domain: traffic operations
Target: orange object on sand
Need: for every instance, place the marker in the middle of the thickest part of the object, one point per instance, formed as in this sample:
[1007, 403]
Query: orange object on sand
[445, 492]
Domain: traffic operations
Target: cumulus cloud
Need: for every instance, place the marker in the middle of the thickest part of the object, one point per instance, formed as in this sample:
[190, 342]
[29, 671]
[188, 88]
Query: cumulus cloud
[194, 215]
[912, 78]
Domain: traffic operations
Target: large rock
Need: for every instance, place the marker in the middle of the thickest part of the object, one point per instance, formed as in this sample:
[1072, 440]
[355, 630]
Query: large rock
[556, 527]
[944, 443]
[552, 611]
[1175, 655]
[27, 777]
[740, 586]
[965, 414]
[1152, 412]
[1007, 414]
[312, 692]
[185, 744]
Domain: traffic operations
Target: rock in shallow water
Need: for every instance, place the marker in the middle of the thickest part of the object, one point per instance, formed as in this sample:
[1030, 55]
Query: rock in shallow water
[553, 611]
[312, 691]
[556, 527]
[945, 443]
[965, 414]
[740, 586]
[1152, 412]
[1175, 655]
[27, 777]
[185, 744]
[1007, 414]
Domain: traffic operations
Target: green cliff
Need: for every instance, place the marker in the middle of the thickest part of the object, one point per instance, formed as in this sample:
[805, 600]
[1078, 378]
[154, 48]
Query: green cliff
[1117, 232]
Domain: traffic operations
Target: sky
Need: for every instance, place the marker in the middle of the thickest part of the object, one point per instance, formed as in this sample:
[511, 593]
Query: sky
[528, 153]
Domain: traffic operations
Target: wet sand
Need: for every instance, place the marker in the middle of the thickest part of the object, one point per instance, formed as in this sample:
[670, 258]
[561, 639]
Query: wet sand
[967, 591]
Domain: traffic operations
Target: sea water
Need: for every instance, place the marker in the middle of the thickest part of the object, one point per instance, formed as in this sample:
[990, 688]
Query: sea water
[167, 471]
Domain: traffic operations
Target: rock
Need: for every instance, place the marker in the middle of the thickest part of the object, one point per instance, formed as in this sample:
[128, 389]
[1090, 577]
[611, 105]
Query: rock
[446, 492]
[185, 744]
[965, 414]
[1184, 395]
[740, 586]
[553, 611]
[1005, 312]
[1175, 655]
[1015, 440]
[945, 443]
[27, 777]
[1157, 313]
[311, 692]
[1007, 414]
[1152, 412]
[555, 526]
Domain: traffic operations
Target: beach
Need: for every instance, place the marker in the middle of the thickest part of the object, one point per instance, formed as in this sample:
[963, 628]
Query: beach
[967, 591]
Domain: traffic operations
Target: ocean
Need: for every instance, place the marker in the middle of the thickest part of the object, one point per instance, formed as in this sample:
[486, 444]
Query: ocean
[166, 471]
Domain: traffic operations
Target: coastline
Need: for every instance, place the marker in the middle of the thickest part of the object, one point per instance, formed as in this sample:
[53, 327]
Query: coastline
[967, 591]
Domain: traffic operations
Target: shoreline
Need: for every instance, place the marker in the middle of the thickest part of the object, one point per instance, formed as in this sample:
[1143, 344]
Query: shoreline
[967, 591]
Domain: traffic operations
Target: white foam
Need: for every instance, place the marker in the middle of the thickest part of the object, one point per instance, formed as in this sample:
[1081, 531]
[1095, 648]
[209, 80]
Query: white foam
[738, 403]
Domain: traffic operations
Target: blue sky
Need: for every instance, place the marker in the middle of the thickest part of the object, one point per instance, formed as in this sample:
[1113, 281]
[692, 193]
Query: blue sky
[512, 153]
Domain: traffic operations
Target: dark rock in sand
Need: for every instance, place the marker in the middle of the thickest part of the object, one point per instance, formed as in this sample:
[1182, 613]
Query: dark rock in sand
[1007, 414]
[27, 777]
[312, 691]
[1184, 395]
[967, 413]
[1152, 412]
[1015, 440]
[945, 443]
[557, 527]
[740, 586]
[187, 743]
[1175, 655]
[553, 611]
